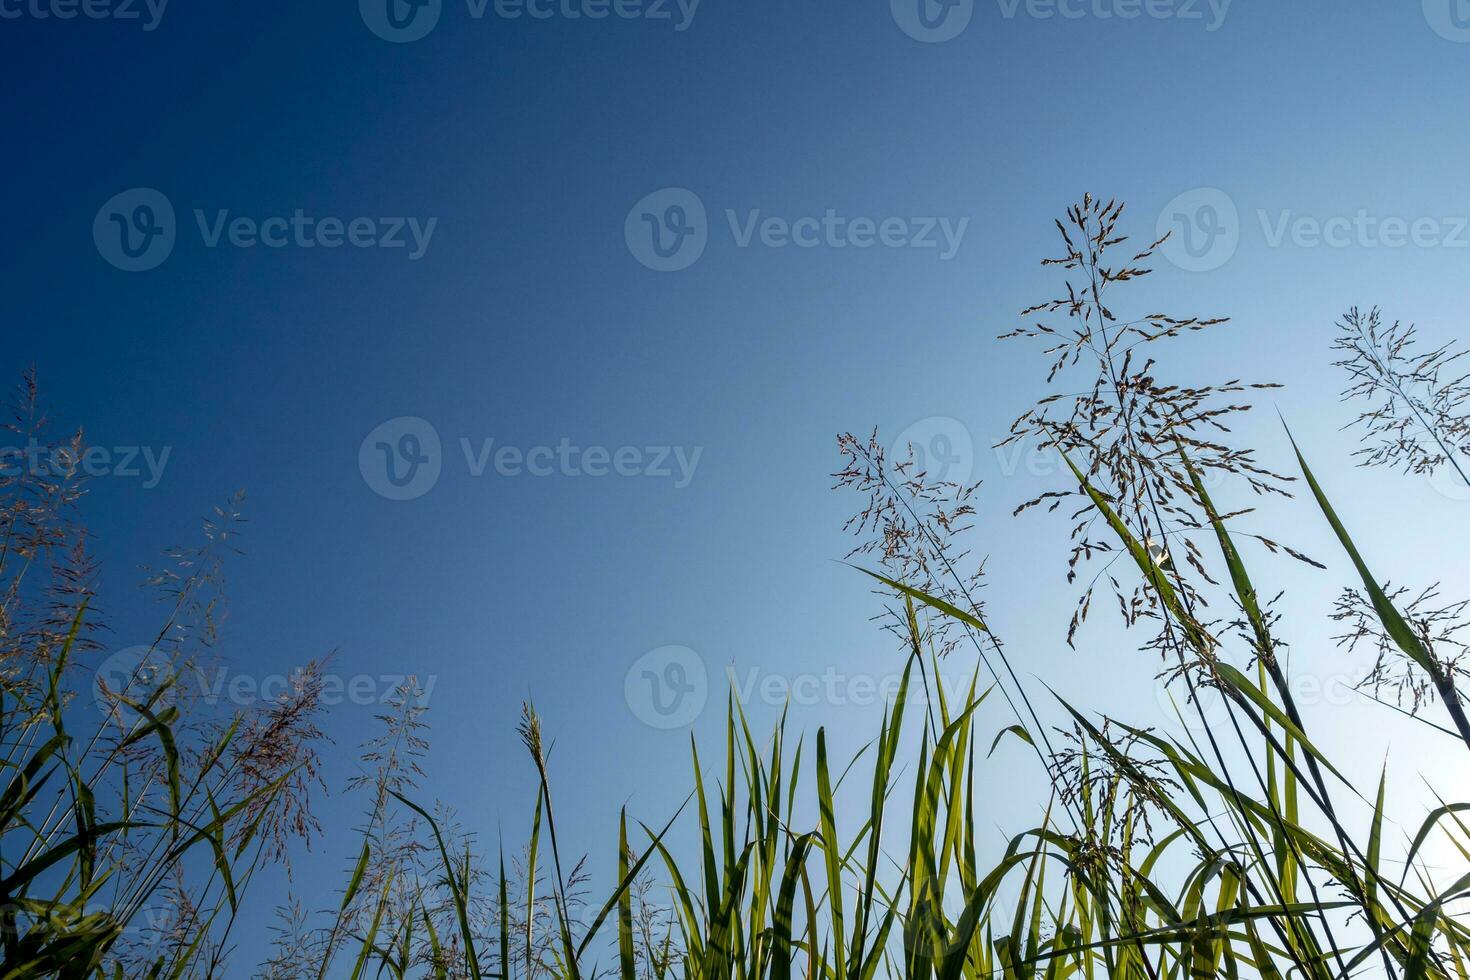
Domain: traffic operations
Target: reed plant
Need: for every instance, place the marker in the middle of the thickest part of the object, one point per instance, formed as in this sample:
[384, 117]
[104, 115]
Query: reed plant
[1238, 849]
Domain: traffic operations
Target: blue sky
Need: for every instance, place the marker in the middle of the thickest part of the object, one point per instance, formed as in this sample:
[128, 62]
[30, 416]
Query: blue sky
[813, 151]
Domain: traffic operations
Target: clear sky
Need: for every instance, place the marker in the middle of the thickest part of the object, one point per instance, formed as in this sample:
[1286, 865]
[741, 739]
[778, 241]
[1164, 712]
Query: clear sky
[914, 160]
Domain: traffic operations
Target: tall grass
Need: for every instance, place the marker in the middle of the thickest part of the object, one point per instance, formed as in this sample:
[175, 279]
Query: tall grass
[98, 826]
[1242, 851]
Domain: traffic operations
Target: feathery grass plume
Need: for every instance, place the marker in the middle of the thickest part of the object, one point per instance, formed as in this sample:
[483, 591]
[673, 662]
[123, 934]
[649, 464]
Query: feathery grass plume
[261, 765]
[276, 745]
[912, 523]
[1127, 431]
[1142, 452]
[190, 584]
[1419, 414]
[46, 573]
[1439, 626]
[533, 914]
[1131, 793]
[394, 889]
[656, 953]
[120, 837]
[392, 763]
[1418, 421]
[296, 947]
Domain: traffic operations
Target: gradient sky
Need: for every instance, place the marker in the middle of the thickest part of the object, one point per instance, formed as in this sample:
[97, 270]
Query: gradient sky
[532, 317]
